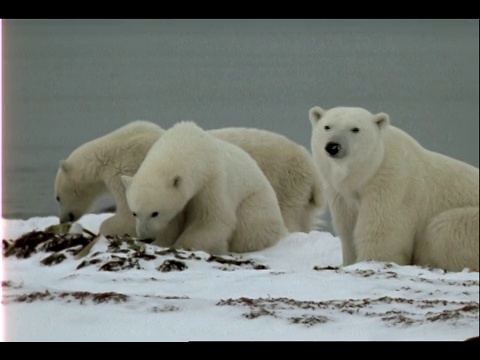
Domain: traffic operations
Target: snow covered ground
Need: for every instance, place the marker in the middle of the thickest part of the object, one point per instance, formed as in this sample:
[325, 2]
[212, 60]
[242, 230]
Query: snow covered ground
[295, 290]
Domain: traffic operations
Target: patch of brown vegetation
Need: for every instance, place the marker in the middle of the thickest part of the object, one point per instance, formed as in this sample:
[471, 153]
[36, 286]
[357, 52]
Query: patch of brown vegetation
[53, 259]
[172, 265]
[7, 283]
[144, 256]
[321, 268]
[34, 296]
[26, 245]
[275, 307]
[309, 320]
[63, 242]
[116, 243]
[123, 252]
[166, 308]
[178, 254]
[453, 313]
[80, 296]
[88, 262]
[236, 262]
[120, 263]
[35, 241]
[175, 297]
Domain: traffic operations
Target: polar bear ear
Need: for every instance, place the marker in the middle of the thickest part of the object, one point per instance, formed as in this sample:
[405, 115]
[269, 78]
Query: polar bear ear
[65, 166]
[126, 180]
[315, 114]
[176, 181]
[382, 120]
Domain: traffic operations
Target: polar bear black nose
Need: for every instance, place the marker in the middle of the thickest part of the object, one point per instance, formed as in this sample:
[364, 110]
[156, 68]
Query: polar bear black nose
[71, 217]
[333, 148]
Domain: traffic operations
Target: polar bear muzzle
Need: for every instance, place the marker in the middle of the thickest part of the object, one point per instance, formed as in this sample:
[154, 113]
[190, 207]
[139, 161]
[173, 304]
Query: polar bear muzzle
[69, 217]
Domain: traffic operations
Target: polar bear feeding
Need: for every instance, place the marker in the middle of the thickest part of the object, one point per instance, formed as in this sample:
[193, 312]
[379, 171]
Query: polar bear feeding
[226, 202]
[94, 168]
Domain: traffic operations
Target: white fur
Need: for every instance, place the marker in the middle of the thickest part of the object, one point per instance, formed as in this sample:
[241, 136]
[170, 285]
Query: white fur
[290, 169]
[390, 198]
[95, 168]
[227, 203]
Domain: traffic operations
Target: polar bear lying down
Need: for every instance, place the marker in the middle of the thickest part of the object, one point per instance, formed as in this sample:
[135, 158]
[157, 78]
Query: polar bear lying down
[390, 198]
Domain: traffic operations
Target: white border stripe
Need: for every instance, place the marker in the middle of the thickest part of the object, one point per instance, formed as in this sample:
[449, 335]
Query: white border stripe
[2, 223]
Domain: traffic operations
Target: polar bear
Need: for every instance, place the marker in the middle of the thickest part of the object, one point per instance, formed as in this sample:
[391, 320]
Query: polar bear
[390, 198]
[95, 167]
[228, 203]
[290, 169]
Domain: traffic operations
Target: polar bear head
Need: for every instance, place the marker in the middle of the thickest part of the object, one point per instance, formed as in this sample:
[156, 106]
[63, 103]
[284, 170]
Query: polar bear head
[173, 172]
[155, 203]
[73, 194]
[347, 136]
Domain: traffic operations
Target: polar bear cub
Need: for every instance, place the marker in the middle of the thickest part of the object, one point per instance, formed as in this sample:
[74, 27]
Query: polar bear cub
[390, 198]
[228, 205]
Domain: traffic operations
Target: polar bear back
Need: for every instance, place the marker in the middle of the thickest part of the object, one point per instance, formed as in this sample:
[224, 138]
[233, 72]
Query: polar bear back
[432, 182]
[135, 138]
[290, 169]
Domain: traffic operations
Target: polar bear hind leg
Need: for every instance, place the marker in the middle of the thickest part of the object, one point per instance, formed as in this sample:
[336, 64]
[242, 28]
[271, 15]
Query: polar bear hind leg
[258, 225]
[451, 241]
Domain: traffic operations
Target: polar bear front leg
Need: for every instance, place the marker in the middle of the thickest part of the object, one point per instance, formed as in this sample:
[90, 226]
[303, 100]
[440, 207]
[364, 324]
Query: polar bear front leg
[343, 221]
[123, 222]
[384, 236]
[119, 224]
[170, 233]
[211, 237]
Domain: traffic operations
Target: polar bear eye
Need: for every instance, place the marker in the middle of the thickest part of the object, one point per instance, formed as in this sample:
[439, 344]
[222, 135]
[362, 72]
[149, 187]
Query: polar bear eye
[355, 130]
[155, 214]
[134, 214]
[58, 198]
[326, 127]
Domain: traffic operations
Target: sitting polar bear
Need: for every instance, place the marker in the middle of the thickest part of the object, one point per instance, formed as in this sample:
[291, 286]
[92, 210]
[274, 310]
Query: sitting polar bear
[390, 198]
[95, 167]
[225, 201]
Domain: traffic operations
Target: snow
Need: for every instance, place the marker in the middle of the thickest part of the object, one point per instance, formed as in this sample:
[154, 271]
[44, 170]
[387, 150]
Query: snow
[303, 294]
